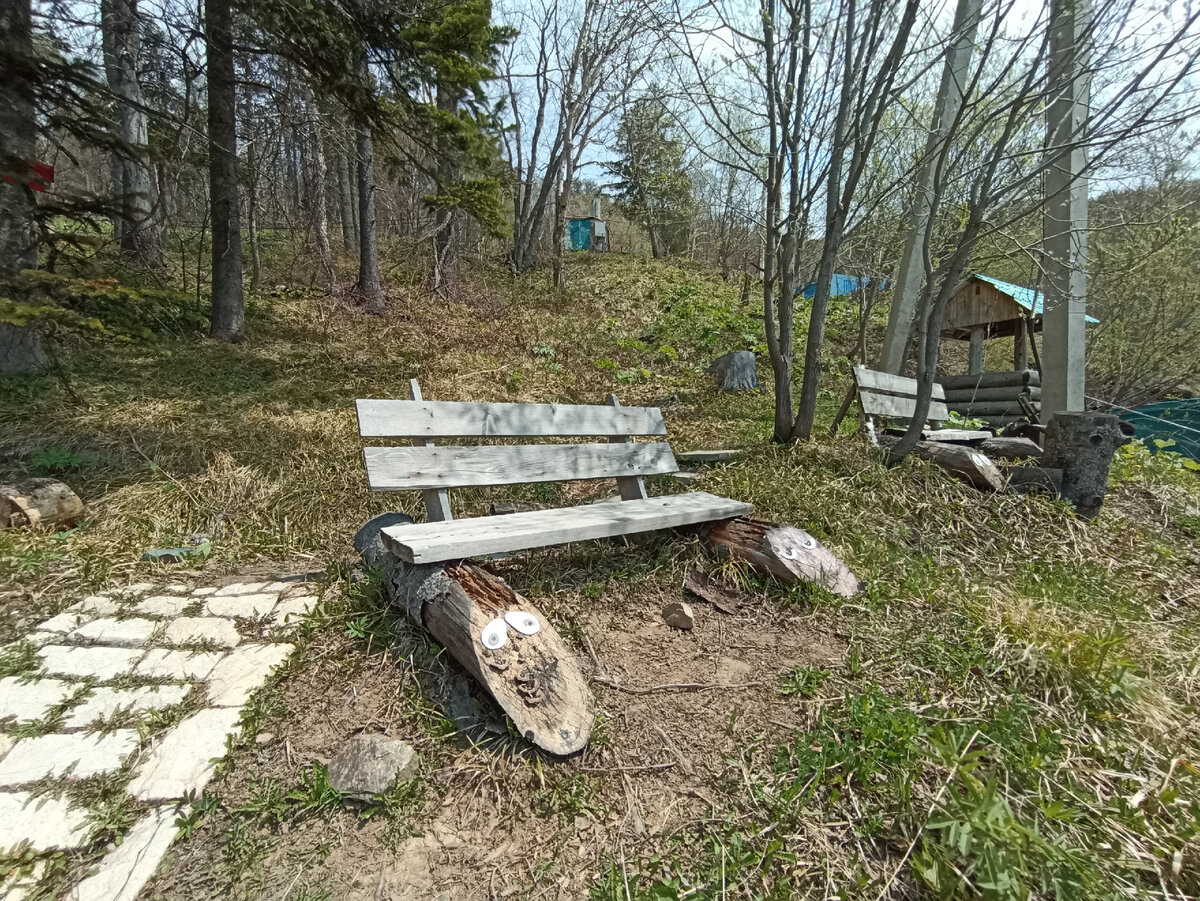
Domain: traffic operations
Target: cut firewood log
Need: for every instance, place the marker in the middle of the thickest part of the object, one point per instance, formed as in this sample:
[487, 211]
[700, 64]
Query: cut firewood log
[788, 554]
[964, 463]
[1035, 480]
[1082, 446]
[39, 502]
[1010, 448]
[535, 678]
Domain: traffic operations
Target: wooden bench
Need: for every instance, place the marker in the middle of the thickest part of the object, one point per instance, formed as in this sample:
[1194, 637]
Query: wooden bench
[881, 394]
[433, 469]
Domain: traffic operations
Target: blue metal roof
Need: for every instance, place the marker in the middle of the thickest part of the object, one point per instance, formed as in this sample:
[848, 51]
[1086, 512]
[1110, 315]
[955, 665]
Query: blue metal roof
[1028, 298]
[840, 284]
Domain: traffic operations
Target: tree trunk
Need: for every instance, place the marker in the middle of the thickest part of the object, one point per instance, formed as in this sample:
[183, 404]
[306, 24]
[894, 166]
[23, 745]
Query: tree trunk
[786, 553]
[534, 678]
[22, 350]
[370, 292]
[139, 235]
[314, 177]
[1082, 446]
[39, 502]
[343, 164]
[228, 302]
[445, 250]
[252, 216]
[18, 136]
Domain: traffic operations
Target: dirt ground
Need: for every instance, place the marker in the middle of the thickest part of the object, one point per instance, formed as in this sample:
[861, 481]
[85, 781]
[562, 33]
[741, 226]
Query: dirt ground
[676, 713]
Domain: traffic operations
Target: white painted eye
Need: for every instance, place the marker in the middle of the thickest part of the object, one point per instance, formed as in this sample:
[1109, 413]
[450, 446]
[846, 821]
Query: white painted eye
[495, 635]
[525, 623]
[809, 542]
[787, 553]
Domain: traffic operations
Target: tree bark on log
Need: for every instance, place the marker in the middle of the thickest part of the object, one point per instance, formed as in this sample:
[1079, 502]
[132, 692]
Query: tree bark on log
[1035, 480]
[788, 554]
[534, 678]
[39, 502]
[1082, 446]
[1010, 448]
[964, 463]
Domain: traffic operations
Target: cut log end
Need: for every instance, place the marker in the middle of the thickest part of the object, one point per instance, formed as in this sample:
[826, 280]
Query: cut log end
[788, 554]
[39, 502]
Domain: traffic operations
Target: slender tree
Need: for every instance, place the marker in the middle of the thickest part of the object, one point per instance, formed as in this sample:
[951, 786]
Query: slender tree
[370, 292]
[228, 303]
[133, 173]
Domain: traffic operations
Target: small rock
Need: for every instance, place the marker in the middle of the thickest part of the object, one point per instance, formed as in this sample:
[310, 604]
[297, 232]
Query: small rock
[371, 764]
[678, 615]
[264, 738]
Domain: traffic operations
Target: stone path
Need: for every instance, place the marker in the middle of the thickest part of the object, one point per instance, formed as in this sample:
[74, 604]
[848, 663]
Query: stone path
[134, 656]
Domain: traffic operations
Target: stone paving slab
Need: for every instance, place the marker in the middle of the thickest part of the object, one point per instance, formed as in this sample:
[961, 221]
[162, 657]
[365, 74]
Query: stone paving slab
[104, 702]
[201, 630]
[46, 823]
[182, 763]
[29, 700]
[164, 605]
[248, 606]
[134, 631]
[124, 872]
[290, 611]
[160, 663]
[241, 588]
[235, 677]
[77, 753]
[101, 663]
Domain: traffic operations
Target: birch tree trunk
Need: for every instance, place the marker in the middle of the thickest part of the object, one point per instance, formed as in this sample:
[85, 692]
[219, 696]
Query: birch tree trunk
[18, 136]
[139, 235]
[228, 302]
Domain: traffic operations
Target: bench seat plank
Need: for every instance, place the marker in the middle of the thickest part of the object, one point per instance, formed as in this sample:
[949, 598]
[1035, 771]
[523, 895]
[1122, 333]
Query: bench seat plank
[465, 419]
[435, 542]
[442, 466]
[903, 407]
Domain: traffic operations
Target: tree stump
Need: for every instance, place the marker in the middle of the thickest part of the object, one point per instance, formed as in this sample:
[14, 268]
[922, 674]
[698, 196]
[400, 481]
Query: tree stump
[788, 554]
[21, 350]
[534, 678]
[1082, 446]
[39, 502]
[734, 371]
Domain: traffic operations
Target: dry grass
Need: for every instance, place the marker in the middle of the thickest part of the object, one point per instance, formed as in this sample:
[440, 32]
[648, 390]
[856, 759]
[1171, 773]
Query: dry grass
[1007, 711]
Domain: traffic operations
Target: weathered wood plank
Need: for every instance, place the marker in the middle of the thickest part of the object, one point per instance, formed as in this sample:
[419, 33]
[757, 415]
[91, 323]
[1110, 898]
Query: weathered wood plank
[891, 405]
[436, 542]
[872, 380]
[955, 435]
[420, 468]
[453, 419]
[991, 379]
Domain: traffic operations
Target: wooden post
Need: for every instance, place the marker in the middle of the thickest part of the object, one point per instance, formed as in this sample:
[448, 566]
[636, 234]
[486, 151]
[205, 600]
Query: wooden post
[437, 500]
[1020, 348]
[1065, 207]
[632, 488]
[975, 355]
[535, 679]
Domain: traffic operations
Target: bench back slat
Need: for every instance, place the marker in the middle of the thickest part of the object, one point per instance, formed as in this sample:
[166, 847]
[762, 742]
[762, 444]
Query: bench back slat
[443, 466]
[871, 380]
[884, 394]
[454, 419]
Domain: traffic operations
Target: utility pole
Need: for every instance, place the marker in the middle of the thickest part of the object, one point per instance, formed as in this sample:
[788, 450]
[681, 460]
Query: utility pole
[911, 272]
[1065, 208]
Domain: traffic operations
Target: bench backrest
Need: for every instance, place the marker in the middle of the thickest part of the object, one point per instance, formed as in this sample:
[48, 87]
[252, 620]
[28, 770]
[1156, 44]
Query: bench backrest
[884, 394]
[431, 468]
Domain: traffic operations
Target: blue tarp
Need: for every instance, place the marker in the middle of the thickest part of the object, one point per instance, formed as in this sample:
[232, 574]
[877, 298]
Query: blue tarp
[841, 284]
[1167, 420]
